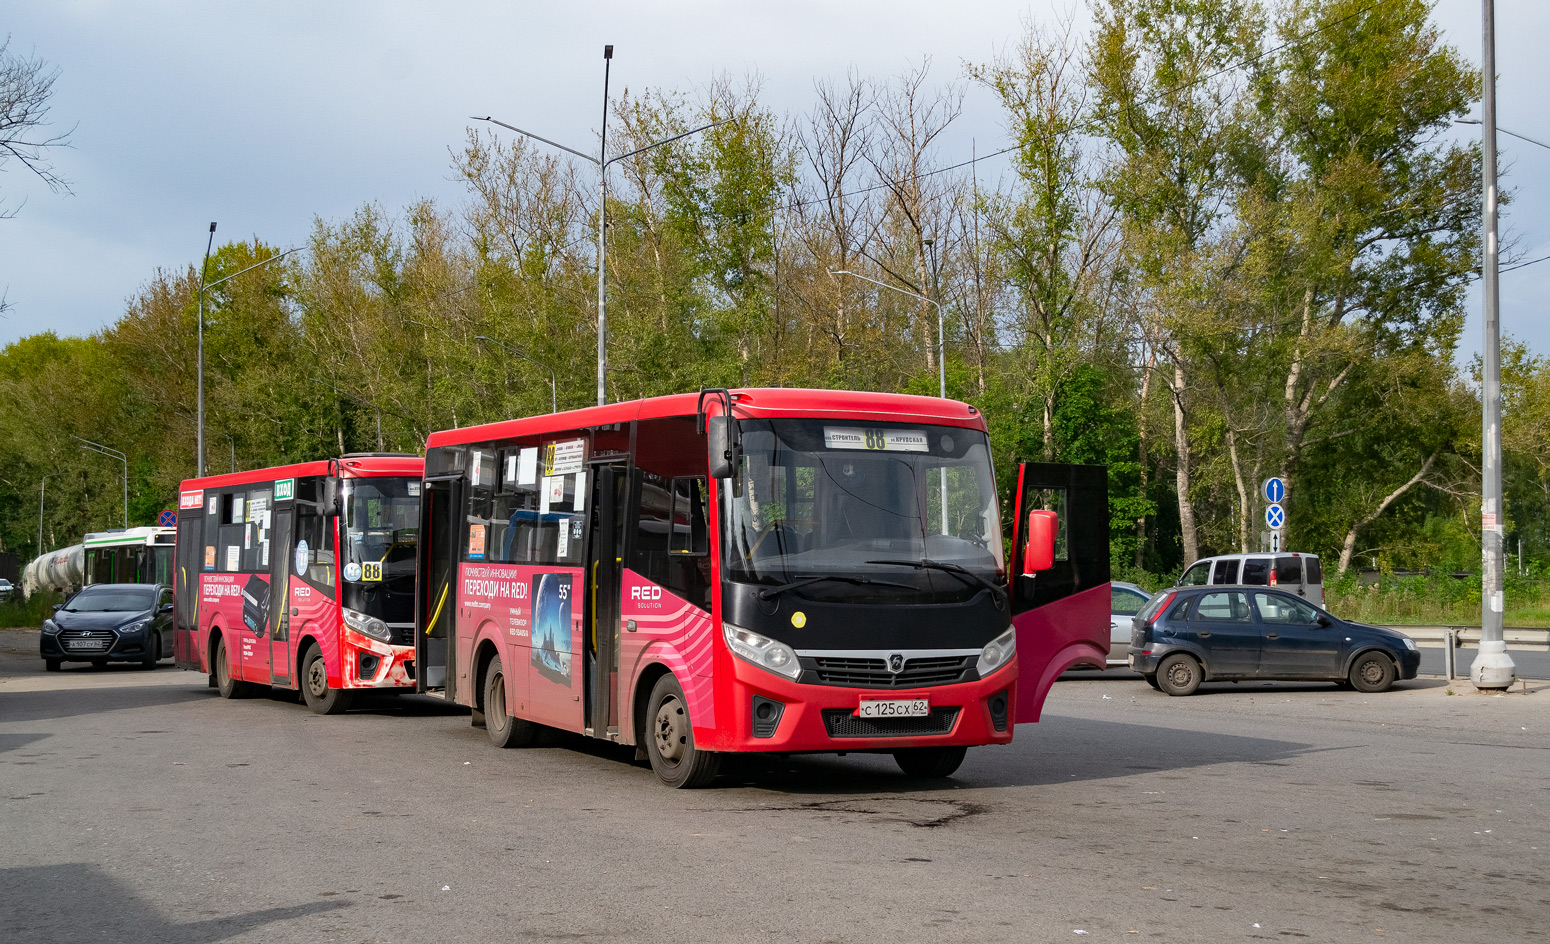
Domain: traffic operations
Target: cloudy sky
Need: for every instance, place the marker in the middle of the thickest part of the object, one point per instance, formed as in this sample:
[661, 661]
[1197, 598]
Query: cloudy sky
[265, 116]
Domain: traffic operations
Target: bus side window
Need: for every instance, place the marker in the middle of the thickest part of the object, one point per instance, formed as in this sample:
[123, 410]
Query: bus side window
[671, 544]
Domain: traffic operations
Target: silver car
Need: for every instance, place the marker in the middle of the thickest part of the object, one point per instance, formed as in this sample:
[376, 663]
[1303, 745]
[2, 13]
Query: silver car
[1127, 599]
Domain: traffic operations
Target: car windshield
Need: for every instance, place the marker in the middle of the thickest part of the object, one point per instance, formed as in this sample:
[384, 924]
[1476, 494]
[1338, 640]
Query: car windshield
[111, 600]
[832, 499]
[382, 518]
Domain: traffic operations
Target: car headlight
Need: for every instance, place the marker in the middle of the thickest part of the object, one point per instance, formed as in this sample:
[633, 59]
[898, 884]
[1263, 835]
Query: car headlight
[997, 653]
[762, 651]
[134, 628]
[50, 627]
[367, 625]
[1409, 643]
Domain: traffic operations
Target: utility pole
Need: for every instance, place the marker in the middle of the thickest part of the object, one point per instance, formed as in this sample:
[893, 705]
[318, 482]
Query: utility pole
[1493, 667]
[199, 448]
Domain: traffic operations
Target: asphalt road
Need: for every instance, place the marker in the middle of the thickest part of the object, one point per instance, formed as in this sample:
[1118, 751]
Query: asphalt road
[138, 806]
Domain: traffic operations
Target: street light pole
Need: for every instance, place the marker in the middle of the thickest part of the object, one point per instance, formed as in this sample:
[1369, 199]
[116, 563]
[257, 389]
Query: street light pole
[200, 447]
[941, 330]
[602, 238]
[602, 161]
[111, 453]
[42, 489]
[941, 369]
[357, 399]
[200, 463]
[1493, 667]
[553, 395]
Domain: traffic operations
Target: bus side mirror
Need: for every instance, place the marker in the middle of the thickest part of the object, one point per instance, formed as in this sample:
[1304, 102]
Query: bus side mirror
[1039, 549]
[723, 450]
[332, 498]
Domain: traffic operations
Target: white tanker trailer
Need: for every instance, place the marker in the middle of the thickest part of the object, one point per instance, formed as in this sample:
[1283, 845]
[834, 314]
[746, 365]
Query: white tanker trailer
[63, 570]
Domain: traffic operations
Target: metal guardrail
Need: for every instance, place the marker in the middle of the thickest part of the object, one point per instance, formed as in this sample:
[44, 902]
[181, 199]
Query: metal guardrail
[1531, 639]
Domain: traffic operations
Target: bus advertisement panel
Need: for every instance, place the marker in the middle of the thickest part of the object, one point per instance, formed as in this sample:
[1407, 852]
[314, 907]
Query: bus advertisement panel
[757, 570]
[301, 577]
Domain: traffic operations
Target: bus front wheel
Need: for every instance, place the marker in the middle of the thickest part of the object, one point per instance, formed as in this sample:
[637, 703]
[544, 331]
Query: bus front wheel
[322, 699]
[502, 729]
[929, 761]
[670, 739]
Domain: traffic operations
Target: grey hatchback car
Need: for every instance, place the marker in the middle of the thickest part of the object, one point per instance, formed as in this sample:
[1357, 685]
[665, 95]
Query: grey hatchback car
[1192, 635]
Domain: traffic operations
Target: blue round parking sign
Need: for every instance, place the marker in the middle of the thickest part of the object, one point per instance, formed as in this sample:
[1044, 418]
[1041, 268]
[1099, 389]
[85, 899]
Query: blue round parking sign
[1275, 517]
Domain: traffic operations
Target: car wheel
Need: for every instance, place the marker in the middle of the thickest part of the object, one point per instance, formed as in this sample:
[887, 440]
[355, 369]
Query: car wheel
[670, 739]
[1179, 674]
[1372, 672]
[1152, 681]
[932, 762]
[315, 689]
[51, 665]
[502, 729]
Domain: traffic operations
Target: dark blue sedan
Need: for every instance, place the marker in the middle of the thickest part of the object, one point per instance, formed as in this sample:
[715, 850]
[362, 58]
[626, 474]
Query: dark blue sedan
[1200, 634]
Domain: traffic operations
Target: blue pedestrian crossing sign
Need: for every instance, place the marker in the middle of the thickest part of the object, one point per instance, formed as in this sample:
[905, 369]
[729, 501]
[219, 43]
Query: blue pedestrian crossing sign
[1275, 516]
[1274, 489]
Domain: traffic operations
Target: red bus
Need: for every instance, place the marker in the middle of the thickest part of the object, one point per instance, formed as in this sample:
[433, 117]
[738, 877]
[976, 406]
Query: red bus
[301, 576]
[754, 570]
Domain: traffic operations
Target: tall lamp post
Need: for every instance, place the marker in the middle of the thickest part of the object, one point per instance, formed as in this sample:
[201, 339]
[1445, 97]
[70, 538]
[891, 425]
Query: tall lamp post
[1493, 667]
[200, 445]
[553, 395]
[357, 399]
[111, 453]
[601, 161]
[42, 489]
[940, 351]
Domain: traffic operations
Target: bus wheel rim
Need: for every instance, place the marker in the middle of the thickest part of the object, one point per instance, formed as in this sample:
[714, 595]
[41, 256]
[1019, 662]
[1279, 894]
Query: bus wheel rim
[671, 731]
[317, 679]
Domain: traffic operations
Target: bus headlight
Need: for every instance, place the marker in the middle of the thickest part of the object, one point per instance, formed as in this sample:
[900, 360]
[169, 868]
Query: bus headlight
[367, 625]
[762, 651]
[997, 653]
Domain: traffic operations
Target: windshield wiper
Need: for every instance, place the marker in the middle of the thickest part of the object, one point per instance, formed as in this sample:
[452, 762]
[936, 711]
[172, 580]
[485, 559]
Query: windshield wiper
[954, 569]
[770, 593]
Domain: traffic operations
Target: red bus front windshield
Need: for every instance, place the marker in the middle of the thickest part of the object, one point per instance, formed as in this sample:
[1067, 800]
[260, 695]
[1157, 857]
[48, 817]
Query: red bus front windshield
[834, 501]
[381, 524]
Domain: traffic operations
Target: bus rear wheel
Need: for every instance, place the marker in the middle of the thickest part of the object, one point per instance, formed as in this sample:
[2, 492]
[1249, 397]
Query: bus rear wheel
[227, 686]
[669, 739]
[929, 761]
[322, 699]
[502, 729]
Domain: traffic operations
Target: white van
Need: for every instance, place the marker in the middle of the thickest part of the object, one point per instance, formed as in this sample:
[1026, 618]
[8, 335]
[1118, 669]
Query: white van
[1299, 573]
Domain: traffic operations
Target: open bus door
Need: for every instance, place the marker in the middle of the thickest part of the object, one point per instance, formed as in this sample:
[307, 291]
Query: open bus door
[189, 564]
[436, 596]
[1060, 575]
[605, 550]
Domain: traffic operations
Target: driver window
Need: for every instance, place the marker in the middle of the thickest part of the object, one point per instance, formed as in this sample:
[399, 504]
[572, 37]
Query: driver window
[1124, 602]
[1196, 576]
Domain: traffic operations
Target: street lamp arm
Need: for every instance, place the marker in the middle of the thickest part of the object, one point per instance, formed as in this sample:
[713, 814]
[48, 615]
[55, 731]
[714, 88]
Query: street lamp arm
[250, 268]
[585, 157]
[901, 291]
[99, 447]
[656, 144]
[553, 382]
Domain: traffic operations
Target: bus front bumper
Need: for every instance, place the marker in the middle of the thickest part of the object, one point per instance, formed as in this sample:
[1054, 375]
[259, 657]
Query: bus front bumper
[774, 714]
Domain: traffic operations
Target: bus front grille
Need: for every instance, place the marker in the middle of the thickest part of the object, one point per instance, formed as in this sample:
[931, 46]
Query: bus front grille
[841, 723]
[873, 673]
